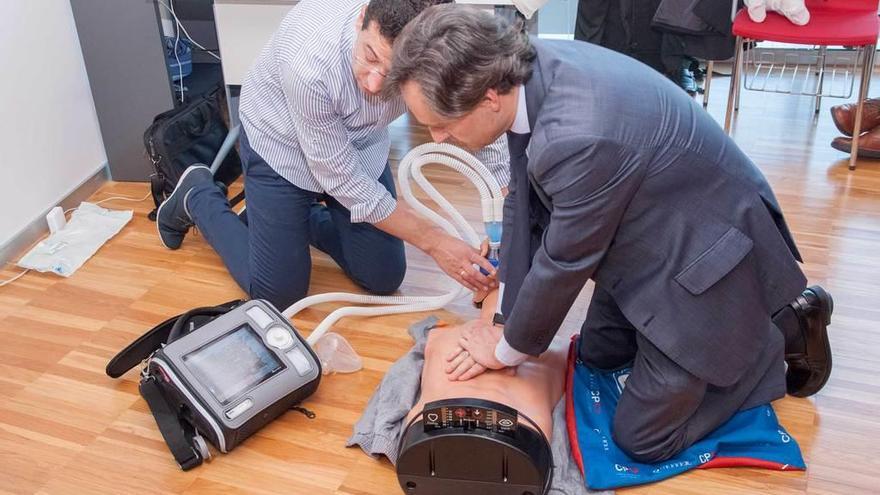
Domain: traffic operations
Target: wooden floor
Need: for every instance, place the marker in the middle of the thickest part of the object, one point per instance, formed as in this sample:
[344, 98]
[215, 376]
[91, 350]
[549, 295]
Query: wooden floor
[66, 428]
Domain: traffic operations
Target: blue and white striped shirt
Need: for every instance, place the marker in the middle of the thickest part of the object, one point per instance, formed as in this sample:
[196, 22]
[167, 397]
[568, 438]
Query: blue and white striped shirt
[305, 115]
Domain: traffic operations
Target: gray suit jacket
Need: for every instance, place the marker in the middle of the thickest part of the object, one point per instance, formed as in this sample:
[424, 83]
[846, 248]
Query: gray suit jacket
[628, 181]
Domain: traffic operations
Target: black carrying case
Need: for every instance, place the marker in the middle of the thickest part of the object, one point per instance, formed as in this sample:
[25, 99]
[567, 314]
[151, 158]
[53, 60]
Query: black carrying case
[173, 412]
[189, 135]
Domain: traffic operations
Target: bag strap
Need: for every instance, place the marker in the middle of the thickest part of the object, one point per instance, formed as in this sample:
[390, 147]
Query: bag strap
[179, 329]
[238, 198]
[157, 190]
[176, 433]
[147, 343]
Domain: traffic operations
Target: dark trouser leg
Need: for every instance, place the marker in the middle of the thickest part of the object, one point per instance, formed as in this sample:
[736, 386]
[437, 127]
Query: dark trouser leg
[269, 258]
[608, 340]
[590, 22]
[375, 260]
[664, 409]
[786, 319]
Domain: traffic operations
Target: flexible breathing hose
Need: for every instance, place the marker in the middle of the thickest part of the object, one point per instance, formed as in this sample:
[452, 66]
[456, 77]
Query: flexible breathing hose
[410, 169]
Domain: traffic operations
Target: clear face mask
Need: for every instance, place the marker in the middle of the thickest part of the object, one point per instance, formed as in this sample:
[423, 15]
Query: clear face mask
[336, 354]
[64, 251]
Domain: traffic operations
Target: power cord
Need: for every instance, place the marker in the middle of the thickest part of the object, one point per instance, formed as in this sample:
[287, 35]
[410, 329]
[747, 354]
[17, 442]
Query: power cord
[13, 279]
[176, 54]
[4, 283]
[179, 27]
[170, 9]
[114, 198]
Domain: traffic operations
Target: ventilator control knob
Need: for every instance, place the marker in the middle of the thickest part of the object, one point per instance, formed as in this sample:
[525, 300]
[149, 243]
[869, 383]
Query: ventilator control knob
[279, 337]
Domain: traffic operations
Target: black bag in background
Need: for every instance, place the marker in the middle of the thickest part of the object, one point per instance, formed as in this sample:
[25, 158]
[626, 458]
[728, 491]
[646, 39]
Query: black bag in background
[188, 135]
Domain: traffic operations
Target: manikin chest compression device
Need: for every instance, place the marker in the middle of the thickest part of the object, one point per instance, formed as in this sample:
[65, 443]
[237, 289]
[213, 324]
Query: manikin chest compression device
[219, 374]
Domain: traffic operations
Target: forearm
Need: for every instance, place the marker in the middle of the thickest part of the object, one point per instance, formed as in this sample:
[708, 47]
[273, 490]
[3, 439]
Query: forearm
[407, 225]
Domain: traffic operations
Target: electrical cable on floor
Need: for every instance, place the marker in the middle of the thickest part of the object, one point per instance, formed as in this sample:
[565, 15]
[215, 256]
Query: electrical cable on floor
[13, 279]
[114, 198]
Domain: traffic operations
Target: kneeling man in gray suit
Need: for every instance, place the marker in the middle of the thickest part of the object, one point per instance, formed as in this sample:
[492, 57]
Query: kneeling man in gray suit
[619, 177]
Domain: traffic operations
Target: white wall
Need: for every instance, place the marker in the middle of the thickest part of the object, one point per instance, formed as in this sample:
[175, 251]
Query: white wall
[49, 137]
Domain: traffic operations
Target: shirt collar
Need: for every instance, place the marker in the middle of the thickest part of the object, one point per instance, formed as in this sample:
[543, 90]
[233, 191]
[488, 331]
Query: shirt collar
[521, 121]
[349, 36]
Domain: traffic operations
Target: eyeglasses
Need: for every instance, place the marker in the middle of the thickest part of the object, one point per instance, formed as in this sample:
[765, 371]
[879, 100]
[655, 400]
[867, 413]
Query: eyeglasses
[371, 66]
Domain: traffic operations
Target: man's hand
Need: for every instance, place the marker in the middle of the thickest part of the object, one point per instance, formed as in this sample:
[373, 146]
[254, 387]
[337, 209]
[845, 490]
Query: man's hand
[457, 259]
[481, 294]
[475, 352]
[453, 255]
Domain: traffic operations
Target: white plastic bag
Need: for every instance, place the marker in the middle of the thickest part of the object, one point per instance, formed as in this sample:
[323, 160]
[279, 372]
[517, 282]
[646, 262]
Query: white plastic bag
[336, 355]
[66, 250]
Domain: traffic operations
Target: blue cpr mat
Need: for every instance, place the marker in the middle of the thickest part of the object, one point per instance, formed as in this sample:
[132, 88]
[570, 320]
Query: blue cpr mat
[751, 438]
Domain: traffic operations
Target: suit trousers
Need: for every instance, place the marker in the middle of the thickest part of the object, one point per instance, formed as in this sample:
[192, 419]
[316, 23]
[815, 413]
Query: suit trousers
[664, 409]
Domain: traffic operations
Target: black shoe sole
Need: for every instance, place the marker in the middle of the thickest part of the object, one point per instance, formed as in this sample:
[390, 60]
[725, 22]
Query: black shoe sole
[827, 307]
[827, 302]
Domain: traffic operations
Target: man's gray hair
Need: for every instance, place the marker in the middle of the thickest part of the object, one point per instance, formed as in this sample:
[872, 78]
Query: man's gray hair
[456, 53]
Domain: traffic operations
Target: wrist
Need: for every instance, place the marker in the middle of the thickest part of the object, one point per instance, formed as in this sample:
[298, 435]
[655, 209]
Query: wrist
[507, 355]
[429, 238]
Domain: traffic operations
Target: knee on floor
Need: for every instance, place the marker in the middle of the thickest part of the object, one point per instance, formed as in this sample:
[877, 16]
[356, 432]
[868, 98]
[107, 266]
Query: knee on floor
[281, 296]
[382, 277]
[643, 445]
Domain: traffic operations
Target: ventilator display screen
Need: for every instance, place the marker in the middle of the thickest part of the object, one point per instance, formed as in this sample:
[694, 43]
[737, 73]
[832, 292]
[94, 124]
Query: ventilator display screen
[233, 364]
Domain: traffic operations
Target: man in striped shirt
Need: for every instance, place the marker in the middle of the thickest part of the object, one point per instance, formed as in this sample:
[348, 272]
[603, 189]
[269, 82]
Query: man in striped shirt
[314, 150]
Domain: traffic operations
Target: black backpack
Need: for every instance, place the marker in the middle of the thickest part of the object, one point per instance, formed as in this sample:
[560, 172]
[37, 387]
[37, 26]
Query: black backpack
[185, 136]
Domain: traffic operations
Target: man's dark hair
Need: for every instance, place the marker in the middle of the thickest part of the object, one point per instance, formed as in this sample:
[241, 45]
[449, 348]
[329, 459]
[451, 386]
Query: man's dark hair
[392, 15]
[456, 54]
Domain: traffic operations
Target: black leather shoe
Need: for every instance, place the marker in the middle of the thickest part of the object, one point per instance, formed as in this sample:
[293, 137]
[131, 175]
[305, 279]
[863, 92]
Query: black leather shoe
[808, 371]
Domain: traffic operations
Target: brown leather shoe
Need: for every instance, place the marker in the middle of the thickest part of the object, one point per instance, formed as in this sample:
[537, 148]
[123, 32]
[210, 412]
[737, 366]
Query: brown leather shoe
[869, 144]
[844, 116]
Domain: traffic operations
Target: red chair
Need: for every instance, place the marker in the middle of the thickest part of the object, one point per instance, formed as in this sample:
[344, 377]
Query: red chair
[850, 23]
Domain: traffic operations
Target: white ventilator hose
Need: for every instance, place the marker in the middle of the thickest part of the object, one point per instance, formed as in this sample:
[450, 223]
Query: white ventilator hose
[491, 201]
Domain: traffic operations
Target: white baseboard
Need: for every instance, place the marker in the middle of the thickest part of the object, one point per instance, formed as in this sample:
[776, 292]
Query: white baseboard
[38, 228]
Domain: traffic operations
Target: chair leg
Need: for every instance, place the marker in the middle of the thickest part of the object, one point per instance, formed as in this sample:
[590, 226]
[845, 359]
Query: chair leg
[710, 66]
[739, 81]
[734, 84]
[822, 52]
[867, 71]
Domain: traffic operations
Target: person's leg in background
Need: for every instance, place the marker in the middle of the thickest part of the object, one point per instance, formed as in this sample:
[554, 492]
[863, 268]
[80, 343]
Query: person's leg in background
[374, 259]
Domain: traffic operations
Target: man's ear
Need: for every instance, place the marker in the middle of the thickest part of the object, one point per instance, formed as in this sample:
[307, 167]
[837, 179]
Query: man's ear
[492, 100]
[360, 19]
